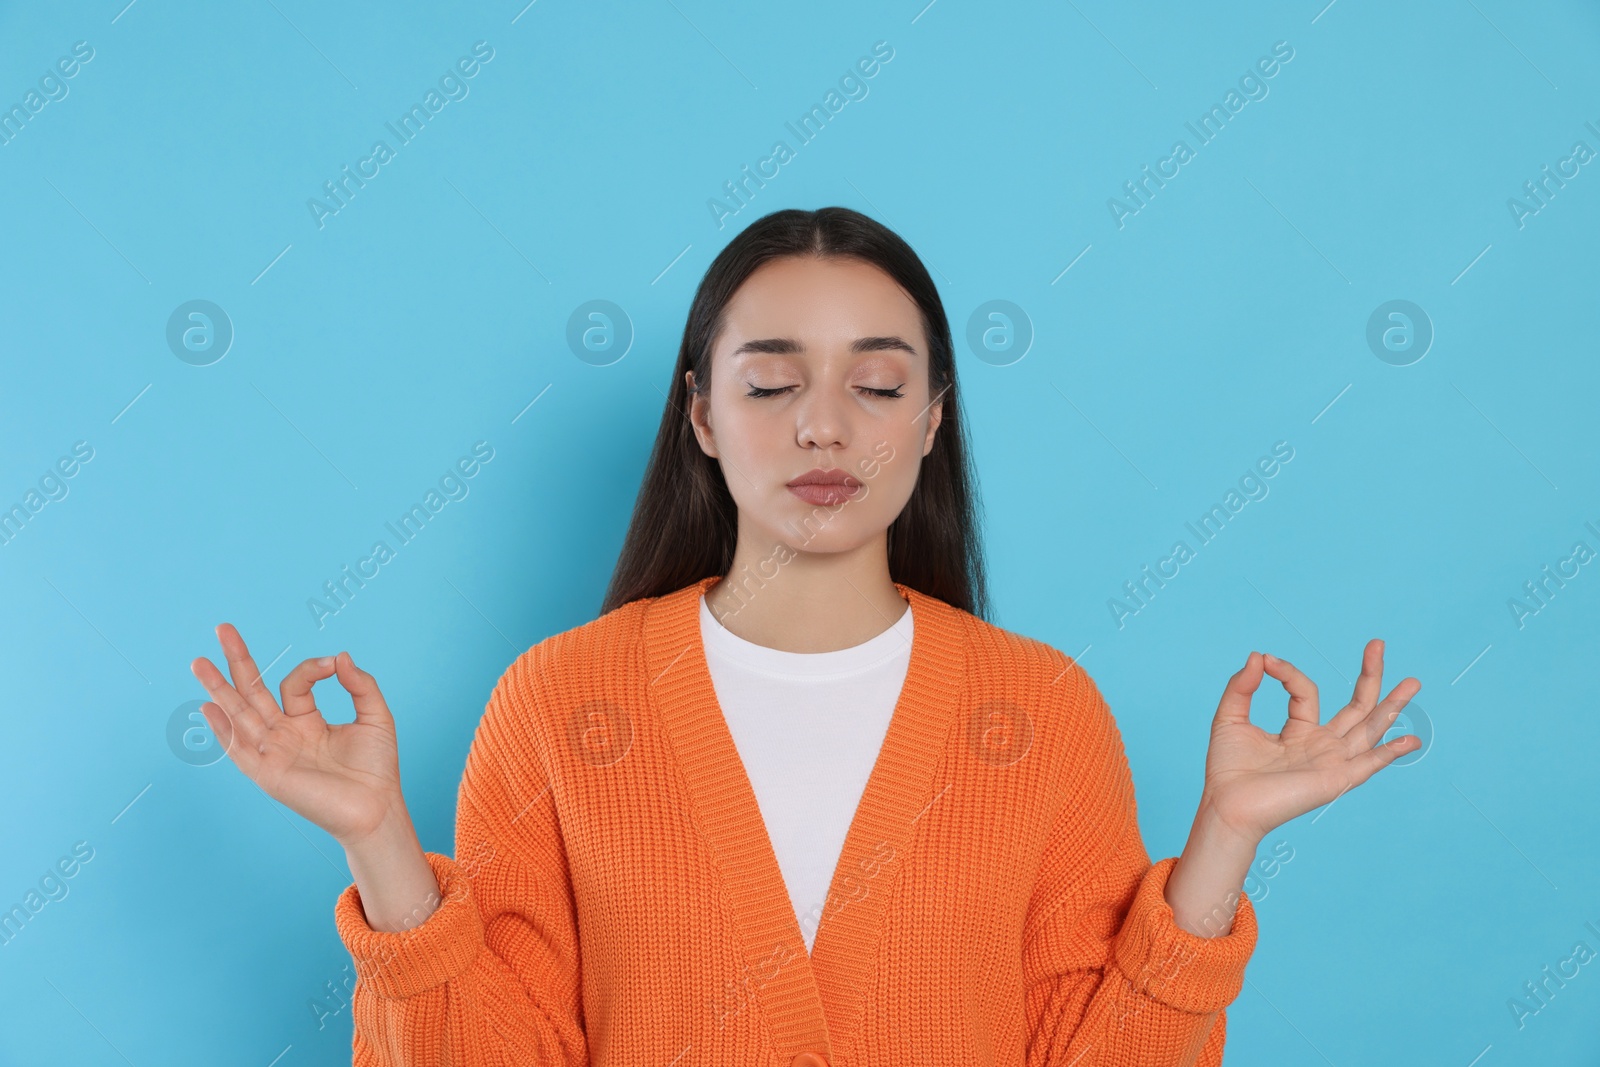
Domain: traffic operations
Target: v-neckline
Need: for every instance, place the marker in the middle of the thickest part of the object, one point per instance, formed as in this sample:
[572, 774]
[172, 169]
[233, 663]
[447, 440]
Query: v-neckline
[812, 1000]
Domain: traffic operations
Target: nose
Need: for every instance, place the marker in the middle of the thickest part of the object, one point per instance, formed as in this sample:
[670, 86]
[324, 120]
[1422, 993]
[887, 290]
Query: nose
[820, 421]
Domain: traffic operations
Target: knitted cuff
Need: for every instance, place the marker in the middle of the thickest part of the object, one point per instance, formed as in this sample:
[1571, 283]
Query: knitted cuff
[1180, 969]
[403, 963]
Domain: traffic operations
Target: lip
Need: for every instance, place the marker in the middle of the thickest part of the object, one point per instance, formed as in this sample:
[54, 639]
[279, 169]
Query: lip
[825, 487]
[821, 476]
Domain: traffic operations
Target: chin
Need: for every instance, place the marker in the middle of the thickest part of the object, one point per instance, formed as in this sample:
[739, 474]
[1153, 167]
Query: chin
[838, 536]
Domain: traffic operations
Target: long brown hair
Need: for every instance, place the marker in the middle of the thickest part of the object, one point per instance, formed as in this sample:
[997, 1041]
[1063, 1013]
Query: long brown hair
[685, 523]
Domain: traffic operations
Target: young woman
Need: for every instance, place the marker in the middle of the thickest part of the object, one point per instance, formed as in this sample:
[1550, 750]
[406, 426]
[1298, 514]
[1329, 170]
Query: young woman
[790, 800]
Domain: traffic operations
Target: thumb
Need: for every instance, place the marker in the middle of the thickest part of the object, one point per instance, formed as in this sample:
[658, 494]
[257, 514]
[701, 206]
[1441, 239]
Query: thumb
[1242, 685]
[363, 689]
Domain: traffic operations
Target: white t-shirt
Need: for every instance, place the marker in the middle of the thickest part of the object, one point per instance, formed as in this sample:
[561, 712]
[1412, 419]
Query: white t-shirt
[808, 727]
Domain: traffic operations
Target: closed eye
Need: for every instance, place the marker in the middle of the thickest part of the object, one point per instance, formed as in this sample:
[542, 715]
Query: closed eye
[758, 392]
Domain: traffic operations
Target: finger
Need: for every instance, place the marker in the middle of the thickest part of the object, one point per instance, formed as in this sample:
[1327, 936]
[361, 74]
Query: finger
[369, 703]
[1235, 704]
[239, 751]
[246, 678]
[1370, 762]
[246, 718]
[1370, 729]
[1367, 688]
[1370, 683]
[1302, 690]
[245, 754]
[296, 685]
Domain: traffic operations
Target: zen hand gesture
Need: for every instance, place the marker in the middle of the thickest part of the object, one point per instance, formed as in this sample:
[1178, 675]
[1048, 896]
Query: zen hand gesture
[1256, 781]
[345, 778]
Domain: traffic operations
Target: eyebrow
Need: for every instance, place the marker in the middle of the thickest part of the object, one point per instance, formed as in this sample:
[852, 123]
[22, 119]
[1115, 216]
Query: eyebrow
[789, 346]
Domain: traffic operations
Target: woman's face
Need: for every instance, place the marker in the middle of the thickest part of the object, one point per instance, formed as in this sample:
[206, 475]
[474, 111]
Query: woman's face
[834, 351]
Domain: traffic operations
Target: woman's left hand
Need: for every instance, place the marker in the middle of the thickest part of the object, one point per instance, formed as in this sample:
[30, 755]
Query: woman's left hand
[1256, 781]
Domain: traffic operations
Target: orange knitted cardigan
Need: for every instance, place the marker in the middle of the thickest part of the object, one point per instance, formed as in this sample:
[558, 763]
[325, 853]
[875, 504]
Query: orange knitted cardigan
[615, 899]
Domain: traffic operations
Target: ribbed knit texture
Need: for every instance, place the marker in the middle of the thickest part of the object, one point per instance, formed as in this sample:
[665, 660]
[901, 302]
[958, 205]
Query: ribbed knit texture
[614, 899]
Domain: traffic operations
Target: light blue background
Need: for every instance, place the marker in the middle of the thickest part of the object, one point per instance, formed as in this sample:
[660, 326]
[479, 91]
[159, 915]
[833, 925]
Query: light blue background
[1230, 313]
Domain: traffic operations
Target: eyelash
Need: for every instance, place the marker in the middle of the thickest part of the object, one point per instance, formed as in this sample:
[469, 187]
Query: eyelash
[760, 393]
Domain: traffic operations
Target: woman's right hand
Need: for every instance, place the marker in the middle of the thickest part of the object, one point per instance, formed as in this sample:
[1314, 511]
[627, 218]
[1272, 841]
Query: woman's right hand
[344, 777]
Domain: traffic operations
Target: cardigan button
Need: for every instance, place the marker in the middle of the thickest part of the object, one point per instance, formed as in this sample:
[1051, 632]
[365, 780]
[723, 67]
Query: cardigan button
[810, 1059]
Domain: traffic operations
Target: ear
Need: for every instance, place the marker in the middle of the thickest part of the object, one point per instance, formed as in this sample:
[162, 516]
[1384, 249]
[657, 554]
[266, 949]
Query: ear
[700, 417]
[935, 416]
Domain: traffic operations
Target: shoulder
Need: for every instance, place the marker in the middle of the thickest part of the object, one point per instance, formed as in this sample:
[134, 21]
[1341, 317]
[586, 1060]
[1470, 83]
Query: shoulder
[1054, 700]
[598, 646]
[591, 657]
[1004, 664]
[992, 646]
[596, 664]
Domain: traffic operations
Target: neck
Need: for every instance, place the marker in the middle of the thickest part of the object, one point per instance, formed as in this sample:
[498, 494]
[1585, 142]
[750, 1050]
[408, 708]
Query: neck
[797, 601]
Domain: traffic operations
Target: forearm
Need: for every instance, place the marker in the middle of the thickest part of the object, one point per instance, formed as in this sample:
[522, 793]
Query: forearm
[1204, 888]
[398, 889]
[1158, 999]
